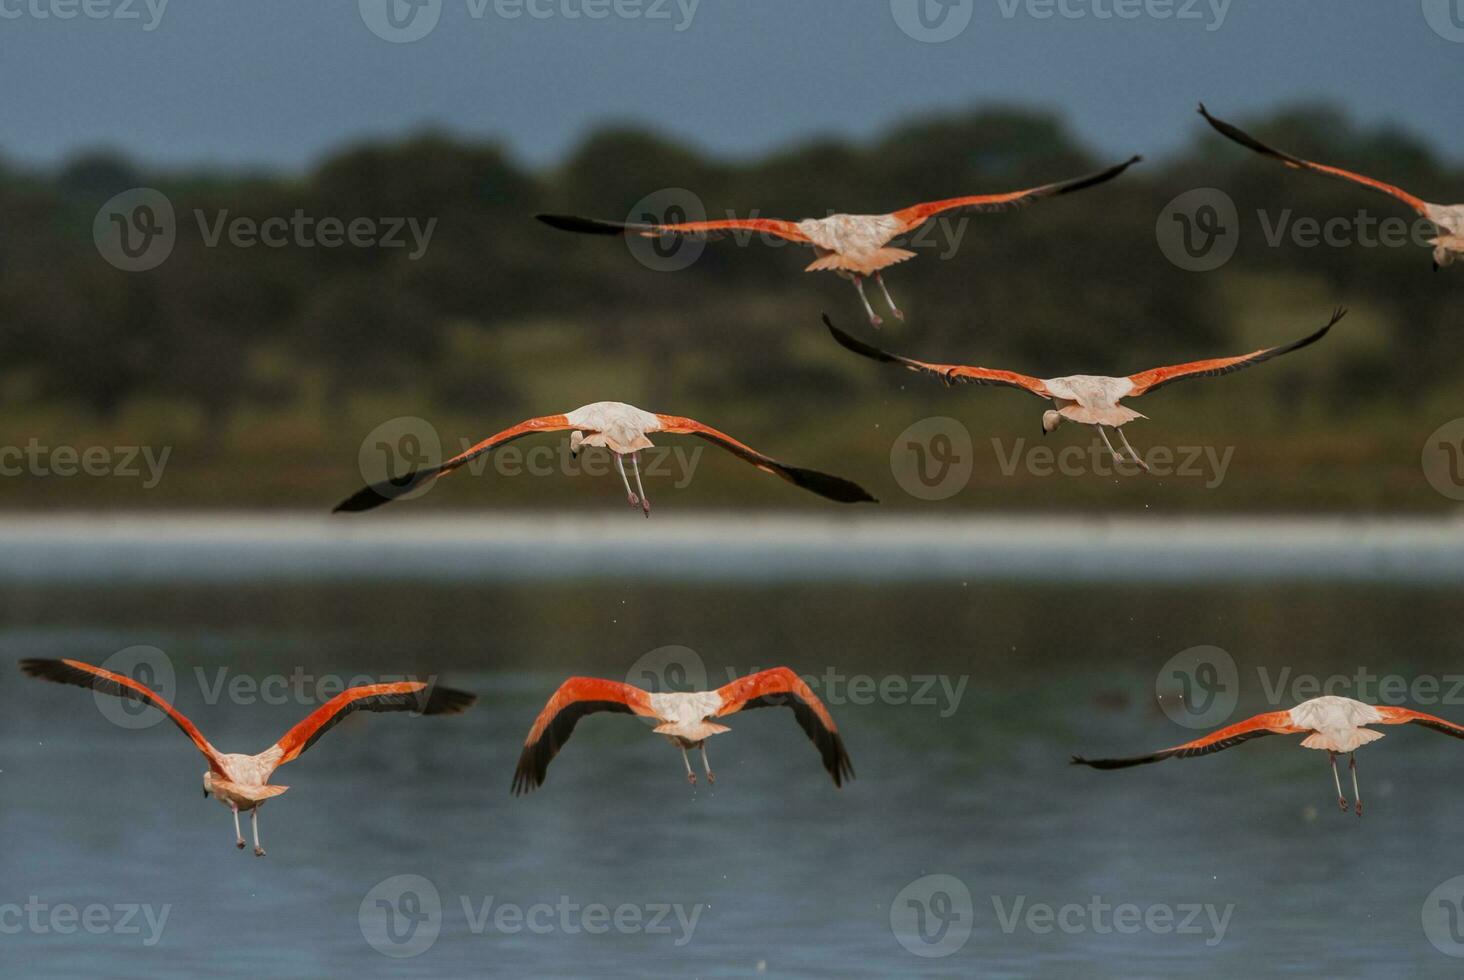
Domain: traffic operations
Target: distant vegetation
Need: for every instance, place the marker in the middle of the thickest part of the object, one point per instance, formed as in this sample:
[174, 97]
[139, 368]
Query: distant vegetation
[264, 368]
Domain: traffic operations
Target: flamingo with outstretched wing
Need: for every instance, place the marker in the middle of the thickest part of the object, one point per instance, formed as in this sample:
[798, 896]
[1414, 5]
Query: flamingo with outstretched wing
[1331, 723]
[1448, 244]
[623, 430]
[1086, 398]
[241, 782]
[686, 718]
[855, 246]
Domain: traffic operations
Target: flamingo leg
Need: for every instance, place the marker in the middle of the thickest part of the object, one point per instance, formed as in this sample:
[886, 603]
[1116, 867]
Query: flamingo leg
[645, 501]
[1137, 459]
[879, 278]
[711, 778]
[629, 493]
[1356, 793]
[690, 776]
[1116, 457]
[254, 825]
[238, 834]
[1341, 800]
[873, 316]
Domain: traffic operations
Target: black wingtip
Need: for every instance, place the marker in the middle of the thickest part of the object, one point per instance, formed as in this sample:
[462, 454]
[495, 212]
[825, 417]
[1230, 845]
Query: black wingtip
[37, 667]
[849, 342]
[367, 498]
[830, 487]
[373, 496]
[526, 777]
[583, 226]
[448, 701]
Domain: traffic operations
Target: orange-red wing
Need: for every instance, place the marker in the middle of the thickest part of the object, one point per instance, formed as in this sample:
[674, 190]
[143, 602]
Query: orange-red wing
[781, 687]
[915, 215]
[1270, 723]
[1146, 381]
[824, 484]
[413, 696]
[949, 373]
[368, 498]
[1297, 163]
[709, 230]
[576, 697]
[119, 686]
[1406, 716]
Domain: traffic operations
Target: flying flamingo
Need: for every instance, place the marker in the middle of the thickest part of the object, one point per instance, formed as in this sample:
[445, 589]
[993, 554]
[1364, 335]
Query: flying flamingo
[1331, 723]
[241, 782]
[854, 246]
[623, 429]
[684, 718]
[1448, 246]
[1090, 399]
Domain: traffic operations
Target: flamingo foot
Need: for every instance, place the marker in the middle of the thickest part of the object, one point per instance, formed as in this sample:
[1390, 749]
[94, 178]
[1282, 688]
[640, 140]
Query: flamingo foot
[646, 505]
[634, 500]
[711, 776]
[1343, 804]
[691, 778]
[259, 852]
[239, 843]
[1359, 808]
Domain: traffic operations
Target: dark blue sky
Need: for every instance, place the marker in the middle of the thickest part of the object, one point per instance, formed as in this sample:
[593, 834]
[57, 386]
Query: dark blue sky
[281, 82]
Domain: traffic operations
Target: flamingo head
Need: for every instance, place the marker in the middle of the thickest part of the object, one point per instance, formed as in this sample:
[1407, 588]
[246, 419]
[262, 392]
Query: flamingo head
[1050, 421]
[1442, 256]
[576, 439]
